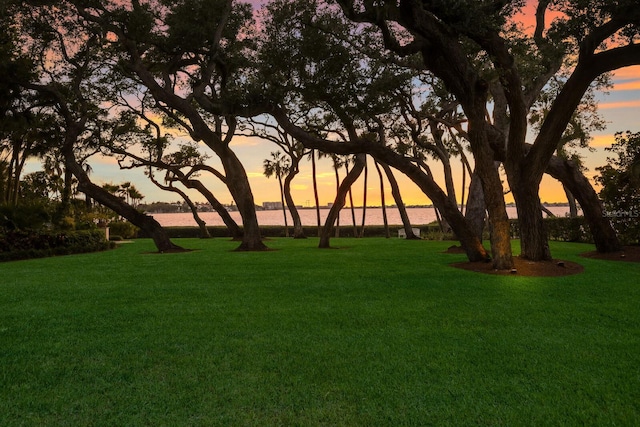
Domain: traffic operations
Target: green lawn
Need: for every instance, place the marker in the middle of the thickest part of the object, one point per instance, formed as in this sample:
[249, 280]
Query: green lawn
[375, 333]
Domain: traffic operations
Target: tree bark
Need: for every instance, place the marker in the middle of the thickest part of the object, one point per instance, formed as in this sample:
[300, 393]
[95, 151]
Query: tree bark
[238, 185]
[351, 208]
[202, 226]
[385, 155]
[337, 192]
[315, 189]
[284, 206]
[364, 199]
[397, 197]
[573, 206]
[298, 231]
[385, 221]
[499, 227]
[534, 244]
[232, 226]
[144, 222]
[476, 212]
[340, 200]
[204, 231]
[567, 172]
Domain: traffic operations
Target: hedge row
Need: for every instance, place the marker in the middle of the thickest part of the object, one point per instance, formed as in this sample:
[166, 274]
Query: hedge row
[559, 228]
[16, 245]
[309, 231]
[563, 229]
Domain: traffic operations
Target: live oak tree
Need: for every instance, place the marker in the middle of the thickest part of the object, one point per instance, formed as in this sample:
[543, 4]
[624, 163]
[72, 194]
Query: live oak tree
[327, 72]
[467, 45]
[585, 120]
[183, 164]
[284, 165]
[69, 78]
[21, 117]
[191, 58]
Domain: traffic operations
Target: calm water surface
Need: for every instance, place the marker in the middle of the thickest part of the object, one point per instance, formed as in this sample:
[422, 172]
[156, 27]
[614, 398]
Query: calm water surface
[418, 216]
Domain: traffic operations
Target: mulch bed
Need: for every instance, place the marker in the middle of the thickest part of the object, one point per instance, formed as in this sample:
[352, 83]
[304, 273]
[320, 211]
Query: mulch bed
[524, 267]
[628, 254]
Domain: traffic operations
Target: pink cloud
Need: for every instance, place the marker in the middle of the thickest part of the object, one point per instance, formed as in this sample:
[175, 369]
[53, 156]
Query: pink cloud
[620, 104]
[628, 73]
[630, 85]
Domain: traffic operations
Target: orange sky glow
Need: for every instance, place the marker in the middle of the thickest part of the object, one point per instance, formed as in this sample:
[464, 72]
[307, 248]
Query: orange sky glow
[619, 108]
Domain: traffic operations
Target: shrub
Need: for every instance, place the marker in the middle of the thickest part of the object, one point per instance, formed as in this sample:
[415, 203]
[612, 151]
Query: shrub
[15, 245]
[124, 229]
[563, 229]
[24, 217]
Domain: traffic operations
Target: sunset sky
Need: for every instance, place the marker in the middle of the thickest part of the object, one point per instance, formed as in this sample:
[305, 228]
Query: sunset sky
[619, 108]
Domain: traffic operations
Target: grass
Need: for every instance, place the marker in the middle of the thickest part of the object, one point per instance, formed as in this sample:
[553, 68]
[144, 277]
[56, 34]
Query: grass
[379, 332]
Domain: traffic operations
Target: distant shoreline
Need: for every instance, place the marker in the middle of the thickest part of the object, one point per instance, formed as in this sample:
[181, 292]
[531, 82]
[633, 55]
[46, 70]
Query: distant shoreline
[260, 208]
[373, 216]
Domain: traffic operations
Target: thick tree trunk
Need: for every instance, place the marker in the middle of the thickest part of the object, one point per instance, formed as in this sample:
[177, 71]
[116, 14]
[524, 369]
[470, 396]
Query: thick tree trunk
[534, 241]
[144, 222]
[567, 172]
[14, 174]
[476, 211]
[100, 195]
[238, 185]
[340, 200]
[298, 231]
[499, 228]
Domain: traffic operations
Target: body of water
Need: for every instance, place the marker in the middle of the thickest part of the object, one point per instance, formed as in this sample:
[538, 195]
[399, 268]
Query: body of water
[418, 216]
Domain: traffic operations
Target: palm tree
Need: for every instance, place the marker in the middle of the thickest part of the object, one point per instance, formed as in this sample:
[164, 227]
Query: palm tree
[134, 195]
[123, 191]
[279, 166]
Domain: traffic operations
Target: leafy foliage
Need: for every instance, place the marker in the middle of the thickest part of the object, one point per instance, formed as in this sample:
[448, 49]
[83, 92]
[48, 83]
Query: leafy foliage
[16, 245]
[620, 180]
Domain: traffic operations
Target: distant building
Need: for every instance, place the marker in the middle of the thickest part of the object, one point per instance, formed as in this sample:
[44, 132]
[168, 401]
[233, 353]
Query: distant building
[271, 206]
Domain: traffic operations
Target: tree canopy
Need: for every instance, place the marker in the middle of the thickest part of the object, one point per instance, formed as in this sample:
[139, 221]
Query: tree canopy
[406, 82]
